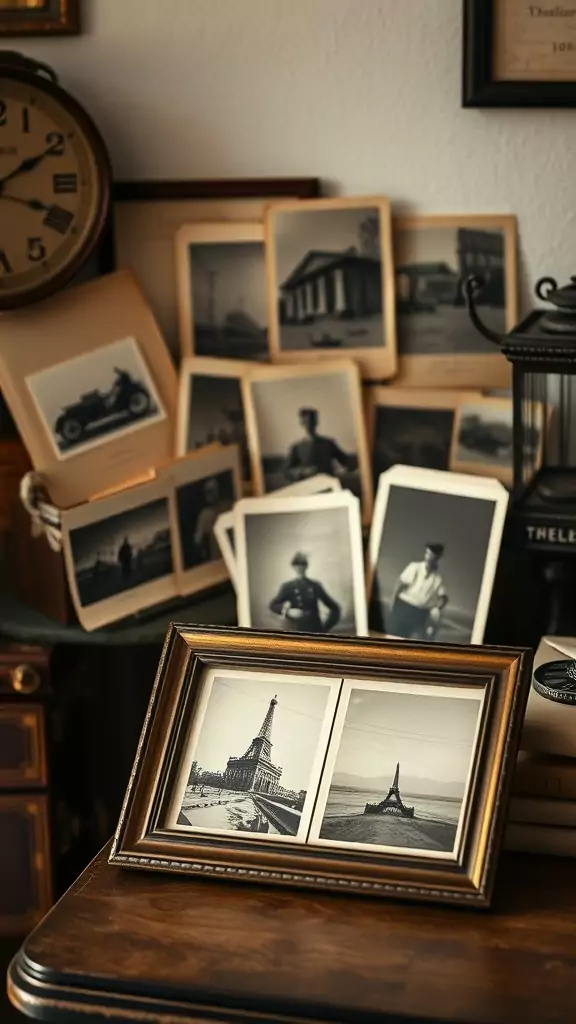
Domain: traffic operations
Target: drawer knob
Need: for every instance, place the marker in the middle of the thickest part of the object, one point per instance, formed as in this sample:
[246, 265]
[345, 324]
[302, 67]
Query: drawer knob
[25, 679]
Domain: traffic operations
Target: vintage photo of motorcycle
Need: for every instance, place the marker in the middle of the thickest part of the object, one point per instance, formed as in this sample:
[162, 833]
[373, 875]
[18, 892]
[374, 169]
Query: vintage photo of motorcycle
[86, 399]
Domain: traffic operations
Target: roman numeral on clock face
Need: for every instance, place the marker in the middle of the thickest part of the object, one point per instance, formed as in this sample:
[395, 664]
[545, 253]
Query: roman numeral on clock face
[58, 219]
[64, 183]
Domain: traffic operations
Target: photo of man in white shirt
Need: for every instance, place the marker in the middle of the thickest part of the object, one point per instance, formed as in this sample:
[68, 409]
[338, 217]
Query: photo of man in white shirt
[419, 597]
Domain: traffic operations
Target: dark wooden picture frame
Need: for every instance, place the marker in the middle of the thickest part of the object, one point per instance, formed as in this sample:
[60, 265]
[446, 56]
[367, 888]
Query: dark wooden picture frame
[54, 17]
[142, 839]
[479, 86]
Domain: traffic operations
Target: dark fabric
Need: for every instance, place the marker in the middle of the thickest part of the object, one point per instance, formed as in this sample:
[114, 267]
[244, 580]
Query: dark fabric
[305, 595]
[315, 455]
[406, 620]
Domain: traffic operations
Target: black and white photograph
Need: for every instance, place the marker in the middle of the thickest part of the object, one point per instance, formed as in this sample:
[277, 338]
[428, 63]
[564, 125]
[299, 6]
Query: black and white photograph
[331, 282]
[302, 421]
[483, 438]
[210, 407]
[206, 486]
[398, 772]
[86, 400]
[254, 755]
[433, 256]
[222, 290]
[224, 527]
[300, 564]
[122, 552]
[434, 546]
[411, 428]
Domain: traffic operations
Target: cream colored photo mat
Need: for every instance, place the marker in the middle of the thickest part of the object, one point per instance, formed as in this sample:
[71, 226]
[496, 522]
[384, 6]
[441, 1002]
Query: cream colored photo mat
[349, 370]
[376, 363]
[333, 685]
[443, 482]
[214, 233]
[459, 370]
[224, 528]
[306, 503]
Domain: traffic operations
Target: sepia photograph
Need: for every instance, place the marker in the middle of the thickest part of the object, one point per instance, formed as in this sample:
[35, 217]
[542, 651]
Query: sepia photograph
[122, 551]
[433, 551]
[331, 282]
[224, 528]
[207, 484]
[210, 407]
[85, 400]
[483, 439]
[411, 427]
[300, 565]
[306, 420]
[433, 256]
[254, 755]
[222, 298]
[398, 772]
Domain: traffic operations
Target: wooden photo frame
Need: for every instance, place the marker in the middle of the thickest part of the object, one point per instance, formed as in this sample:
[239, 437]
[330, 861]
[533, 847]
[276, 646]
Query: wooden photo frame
[319, 397]
[146, 215]
[33, 18]
[438, 346]
[515, 57]
[331, 283]
[222, 302]
[411, 426]
[432, 555]
[239, 768]
[212, 412]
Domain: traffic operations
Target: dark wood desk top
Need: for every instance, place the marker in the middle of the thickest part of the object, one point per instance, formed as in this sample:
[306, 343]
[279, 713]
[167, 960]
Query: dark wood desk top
[126, 946]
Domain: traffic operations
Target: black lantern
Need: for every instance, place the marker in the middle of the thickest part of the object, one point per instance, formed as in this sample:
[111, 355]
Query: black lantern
[542, 351]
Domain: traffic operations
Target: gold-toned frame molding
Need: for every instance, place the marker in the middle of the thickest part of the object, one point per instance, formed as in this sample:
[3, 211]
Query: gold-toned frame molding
[502, 674]
[62, 17]
[375, 362]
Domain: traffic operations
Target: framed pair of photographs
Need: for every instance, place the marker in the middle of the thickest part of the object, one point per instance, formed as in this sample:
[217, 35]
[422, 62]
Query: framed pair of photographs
[343, 764]
[315, 282]
[152, 542]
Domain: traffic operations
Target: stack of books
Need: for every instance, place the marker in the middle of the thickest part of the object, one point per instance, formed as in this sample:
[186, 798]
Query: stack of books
[542, 814]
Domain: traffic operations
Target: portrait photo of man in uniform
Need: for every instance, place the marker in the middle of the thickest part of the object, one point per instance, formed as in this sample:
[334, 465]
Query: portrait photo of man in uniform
[300, 564]
[305, 421]
[433, 554]
[299, 602]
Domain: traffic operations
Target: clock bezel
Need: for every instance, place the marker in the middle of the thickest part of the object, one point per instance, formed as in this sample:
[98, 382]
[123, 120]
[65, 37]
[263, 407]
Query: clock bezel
[97, 146]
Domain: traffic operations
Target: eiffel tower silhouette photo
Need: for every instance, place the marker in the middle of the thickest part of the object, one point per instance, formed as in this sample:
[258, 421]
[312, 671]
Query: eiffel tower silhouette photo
[392, 803]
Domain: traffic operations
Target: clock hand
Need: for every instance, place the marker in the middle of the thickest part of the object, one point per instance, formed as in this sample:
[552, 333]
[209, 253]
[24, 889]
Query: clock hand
[28, 164]
[33, 204]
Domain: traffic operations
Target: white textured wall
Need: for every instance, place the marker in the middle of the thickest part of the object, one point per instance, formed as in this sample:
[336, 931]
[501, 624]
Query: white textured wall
[364, 93]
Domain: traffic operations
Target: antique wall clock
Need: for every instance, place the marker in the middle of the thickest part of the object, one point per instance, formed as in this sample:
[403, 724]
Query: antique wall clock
[54, 183]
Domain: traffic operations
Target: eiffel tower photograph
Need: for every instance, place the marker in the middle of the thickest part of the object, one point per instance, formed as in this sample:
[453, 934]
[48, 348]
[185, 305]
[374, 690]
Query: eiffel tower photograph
[400, 774]
[257, 755]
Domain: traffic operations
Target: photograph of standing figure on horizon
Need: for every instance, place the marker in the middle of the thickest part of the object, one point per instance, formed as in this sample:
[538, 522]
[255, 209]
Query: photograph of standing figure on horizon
[122, 552]
[399, 769]
[254, 760]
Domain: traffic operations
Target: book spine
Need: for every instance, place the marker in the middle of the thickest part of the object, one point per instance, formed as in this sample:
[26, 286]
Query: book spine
[546, 839]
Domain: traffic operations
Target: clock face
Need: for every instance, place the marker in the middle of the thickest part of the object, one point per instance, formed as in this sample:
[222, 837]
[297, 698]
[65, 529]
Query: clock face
[54, 188]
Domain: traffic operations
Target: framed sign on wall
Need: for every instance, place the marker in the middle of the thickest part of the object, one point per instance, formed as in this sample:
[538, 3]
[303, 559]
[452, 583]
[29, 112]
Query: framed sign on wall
[39, 17]
[519, 54]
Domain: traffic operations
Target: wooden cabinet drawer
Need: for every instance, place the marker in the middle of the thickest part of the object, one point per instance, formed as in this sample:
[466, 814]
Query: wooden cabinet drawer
[25, 889]
[22, 746]
[24, 669]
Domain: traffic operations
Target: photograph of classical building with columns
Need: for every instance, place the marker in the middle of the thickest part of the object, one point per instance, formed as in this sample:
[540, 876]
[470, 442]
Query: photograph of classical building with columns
[254, 759]
[330, 281]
